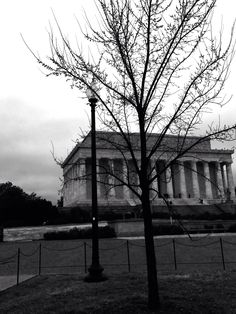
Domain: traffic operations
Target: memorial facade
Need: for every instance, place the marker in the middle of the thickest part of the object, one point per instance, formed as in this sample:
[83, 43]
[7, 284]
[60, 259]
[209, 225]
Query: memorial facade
[203, 175]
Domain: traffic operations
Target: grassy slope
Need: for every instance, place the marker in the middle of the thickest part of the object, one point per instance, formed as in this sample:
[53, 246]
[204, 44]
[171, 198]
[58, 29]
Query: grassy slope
[124, 293]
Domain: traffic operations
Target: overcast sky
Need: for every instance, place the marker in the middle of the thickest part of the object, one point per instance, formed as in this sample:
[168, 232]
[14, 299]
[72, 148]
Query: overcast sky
[36, 111]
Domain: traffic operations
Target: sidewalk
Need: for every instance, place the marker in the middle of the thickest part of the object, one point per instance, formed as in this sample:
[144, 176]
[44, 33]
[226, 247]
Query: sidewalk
[11, 280]
[193, 235]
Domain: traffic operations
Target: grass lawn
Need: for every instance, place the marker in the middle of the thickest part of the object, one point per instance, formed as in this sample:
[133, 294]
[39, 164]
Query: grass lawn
[124, 293]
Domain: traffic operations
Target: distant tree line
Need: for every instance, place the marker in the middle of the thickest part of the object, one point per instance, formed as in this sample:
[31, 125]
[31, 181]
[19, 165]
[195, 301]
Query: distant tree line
[17, 208]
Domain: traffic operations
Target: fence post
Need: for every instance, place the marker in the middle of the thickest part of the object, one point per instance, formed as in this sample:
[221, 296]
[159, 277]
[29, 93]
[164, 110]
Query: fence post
[40, 258]
[18, 267]
[174, 251]
[127, 247]
[85, 257]
[222, 254]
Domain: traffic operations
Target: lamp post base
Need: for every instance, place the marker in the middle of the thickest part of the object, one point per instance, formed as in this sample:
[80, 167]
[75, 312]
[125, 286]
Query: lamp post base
[95, 274]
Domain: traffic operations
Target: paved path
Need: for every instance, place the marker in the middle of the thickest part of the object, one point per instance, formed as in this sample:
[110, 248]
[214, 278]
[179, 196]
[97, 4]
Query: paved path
[36, 233]
[10, 281]
[193, 235]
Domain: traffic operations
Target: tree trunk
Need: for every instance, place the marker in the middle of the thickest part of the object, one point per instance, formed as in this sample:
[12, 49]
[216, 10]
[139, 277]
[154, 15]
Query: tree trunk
[153, 294]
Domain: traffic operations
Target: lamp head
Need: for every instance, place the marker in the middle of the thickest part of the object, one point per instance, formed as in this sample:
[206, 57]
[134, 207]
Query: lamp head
[93, 91]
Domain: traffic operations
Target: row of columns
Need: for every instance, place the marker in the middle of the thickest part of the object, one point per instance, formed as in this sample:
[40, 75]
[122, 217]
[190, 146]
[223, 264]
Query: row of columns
[201, 183]
[221, 185]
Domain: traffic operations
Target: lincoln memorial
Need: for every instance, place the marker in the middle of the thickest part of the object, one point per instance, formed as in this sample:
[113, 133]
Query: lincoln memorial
[201, 176]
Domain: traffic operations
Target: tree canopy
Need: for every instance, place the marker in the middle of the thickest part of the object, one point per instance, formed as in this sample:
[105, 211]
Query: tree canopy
[19, 208]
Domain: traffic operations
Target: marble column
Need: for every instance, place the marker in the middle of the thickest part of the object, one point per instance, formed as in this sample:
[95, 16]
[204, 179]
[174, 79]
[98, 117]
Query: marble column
[125, 178]
[72, 181]
[75, 179]
[223, 177]
[196, 189]
[230, 180]
[111, 179]
[219, 180]
[137, 177]
[182, 186]
[169, 182]
[77, 170]
[207, 180]
[82, 179]
[154, 186]
[68, 182]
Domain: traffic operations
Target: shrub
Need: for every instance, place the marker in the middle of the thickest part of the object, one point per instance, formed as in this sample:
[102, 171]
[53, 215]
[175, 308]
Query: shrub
[232, 228]
[110, 215]
[76, 233]
[78, 214]
[209, 227]
[167, 229]
[161, 215]
[219, 226]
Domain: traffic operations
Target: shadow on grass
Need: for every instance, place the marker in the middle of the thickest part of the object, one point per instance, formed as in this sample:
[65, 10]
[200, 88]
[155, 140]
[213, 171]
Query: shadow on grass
[122, 293]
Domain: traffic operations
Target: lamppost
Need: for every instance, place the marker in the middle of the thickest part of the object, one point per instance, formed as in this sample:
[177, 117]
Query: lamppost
[95, 270]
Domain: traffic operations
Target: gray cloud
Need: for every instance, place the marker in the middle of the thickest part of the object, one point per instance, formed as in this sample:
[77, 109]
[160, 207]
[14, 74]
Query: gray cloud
[25, 141]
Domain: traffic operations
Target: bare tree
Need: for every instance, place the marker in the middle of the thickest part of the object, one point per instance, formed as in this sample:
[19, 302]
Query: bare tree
[159, 69]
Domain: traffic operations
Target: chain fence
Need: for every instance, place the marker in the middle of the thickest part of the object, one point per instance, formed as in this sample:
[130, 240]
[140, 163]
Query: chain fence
[57, 257]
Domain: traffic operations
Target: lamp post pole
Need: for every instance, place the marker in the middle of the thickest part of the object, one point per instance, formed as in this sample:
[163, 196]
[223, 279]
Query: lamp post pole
[95, 270]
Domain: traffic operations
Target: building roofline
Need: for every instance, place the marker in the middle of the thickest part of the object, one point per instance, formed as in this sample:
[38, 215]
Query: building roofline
[77, 146]
[73, 151]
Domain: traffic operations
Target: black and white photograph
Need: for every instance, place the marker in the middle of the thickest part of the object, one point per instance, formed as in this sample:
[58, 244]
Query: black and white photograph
[117, 156]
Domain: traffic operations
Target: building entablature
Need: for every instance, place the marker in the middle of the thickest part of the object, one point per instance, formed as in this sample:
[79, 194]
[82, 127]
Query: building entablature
[221, 156]
[111, 141]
